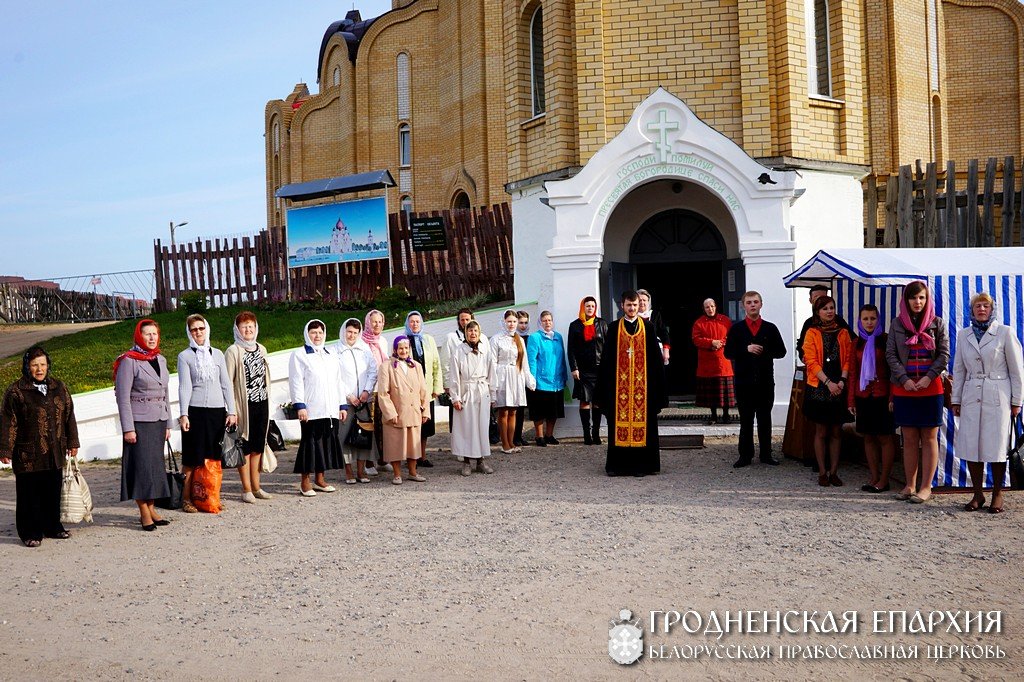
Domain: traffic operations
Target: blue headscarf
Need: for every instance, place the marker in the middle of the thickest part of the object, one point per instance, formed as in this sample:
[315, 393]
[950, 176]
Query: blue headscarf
[415, 339]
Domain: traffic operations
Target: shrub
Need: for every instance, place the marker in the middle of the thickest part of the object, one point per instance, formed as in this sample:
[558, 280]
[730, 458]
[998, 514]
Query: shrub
[193, 302]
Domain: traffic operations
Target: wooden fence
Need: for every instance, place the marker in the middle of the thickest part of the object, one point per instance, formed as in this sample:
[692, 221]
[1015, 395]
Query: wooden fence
[929, 207]
[21, 303]
[478, 260]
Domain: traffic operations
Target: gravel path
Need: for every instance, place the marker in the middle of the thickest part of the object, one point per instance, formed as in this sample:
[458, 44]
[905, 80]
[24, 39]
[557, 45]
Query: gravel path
[516, 575]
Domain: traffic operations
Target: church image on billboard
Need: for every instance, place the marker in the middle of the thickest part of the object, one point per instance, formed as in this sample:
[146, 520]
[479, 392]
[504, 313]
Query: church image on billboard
[338, 233]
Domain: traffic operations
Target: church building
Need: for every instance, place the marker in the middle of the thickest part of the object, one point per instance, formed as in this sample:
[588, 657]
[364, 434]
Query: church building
[695, 149]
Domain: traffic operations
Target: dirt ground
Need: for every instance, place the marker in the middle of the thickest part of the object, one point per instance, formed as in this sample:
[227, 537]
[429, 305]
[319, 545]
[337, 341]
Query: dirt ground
[15, 338]
[516, 575]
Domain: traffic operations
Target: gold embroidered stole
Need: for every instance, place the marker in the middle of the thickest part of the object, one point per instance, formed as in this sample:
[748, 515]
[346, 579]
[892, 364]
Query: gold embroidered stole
[631, 387]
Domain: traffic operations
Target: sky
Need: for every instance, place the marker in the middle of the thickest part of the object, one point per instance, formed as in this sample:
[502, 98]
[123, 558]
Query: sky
[120, 117]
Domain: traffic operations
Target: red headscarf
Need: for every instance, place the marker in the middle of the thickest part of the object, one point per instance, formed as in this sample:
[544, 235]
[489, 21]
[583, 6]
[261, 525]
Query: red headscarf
[139, 351]
[588, 322]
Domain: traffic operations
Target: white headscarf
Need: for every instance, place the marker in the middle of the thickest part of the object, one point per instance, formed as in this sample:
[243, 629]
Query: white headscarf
[204, 355]
[305, 334]
[342, 344]
[246, 345]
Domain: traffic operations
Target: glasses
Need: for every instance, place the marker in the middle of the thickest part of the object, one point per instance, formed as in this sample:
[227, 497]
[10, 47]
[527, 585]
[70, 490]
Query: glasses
[193, 330]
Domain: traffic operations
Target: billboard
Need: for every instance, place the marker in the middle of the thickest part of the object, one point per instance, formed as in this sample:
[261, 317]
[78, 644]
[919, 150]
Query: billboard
[338, 233]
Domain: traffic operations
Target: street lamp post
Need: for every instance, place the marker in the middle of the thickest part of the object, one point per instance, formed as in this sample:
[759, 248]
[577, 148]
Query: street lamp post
[175, 227]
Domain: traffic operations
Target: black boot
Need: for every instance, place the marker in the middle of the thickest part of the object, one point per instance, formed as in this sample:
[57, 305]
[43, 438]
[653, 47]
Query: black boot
[595, 432]
[585, 420]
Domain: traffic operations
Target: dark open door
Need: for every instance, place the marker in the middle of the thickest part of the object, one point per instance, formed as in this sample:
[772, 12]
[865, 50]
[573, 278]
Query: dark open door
[734, 283]
[621, 276]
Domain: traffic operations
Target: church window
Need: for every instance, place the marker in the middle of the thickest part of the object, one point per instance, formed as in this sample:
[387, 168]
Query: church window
[933, 45]
[819, 48]
[460, 200]
[402, 76]
[404, 145]
[406, 203]
[337, 75]
[537, 61]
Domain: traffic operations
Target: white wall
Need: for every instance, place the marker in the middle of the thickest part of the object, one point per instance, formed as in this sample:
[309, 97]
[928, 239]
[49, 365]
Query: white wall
[532, 234]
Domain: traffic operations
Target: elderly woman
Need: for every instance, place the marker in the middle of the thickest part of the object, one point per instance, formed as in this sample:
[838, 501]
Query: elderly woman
[653, 316]
[142, 390]
[471, 378]
[314, 381]
[827, 352]
[358, 379]
[870, 398]
[249, 375]
[404, 406]
[37, 430]
[714, 371]
[373, 336]
[424, 351]
[585, 343]
[512, 378]
[545, 351]
[917, 352]
[206, 402]
[988, 388]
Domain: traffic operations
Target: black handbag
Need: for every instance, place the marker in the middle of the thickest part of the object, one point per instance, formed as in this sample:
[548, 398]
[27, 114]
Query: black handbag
[274, 438]
[175, 481]
[492, 430]
[359, 437]
[232, 448]
[1015, 454]
[444, 400]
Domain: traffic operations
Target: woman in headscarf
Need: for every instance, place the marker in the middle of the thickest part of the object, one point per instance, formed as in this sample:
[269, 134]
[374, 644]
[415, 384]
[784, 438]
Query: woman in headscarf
[545, 351]
[472, 378]
[206, 402]
[358, 379]
[314, 381]
[249, 374]
[988, 388]
[373, 328]
[512, 378]
[714, 371]
[404, 407]
[585, 343]
[653, 316]
[870, 398]
[827, 351]
[424, 351]
[142, 390]
[917, 352]
[523, 329]
[37, 431]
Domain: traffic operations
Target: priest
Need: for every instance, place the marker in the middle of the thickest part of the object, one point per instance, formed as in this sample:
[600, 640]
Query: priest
[631, 391]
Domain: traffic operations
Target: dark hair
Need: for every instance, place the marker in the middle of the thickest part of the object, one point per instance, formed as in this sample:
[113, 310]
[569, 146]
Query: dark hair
[464, 310]
[353, 323]
[819, 287]
[522, 313]
[629, 295]
[589, 298]
[869, 308]
[914, 288]
[316, 324]
[820, 303]
[30, 355]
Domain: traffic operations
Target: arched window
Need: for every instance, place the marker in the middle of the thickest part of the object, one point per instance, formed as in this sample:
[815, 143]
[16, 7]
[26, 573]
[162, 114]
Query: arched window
[406, 204]
[819, 48]
[277, 136]
[337, 75]
[460, 200]
[537, 61]
[402, 78]
[404, 145]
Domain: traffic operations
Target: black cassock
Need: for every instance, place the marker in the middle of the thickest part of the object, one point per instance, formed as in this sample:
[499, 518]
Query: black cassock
[623, 460]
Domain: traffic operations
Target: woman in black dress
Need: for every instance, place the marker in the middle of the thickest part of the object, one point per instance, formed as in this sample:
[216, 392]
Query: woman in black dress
[585, 343]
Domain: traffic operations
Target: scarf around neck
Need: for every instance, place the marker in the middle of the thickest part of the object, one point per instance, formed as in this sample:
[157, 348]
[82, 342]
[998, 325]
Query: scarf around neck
[915, 333]
[868, 366]
[979, 328]
[373, 340]
[139, 351]
[322, 348]
[589, 323]
[416, 339]
[395, 360]
[204, 355]
[249, 346]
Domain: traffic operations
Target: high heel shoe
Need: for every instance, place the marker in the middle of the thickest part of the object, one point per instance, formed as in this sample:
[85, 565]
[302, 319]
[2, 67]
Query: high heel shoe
[150, 527]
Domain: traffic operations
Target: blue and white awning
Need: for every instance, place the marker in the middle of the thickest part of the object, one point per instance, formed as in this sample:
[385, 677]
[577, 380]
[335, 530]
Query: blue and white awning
[888, 267]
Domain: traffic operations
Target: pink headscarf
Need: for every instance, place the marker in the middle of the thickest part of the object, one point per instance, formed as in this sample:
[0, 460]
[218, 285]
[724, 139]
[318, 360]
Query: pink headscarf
[373, 340]
[917, 334]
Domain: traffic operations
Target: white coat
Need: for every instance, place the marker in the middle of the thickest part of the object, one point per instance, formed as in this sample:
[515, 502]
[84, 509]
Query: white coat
[314, 382]
[510, 383]
[358, 368]
[988, 378]
[472, 379]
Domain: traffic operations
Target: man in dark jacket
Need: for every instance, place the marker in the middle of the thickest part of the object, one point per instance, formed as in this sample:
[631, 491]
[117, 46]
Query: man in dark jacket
[753, 344]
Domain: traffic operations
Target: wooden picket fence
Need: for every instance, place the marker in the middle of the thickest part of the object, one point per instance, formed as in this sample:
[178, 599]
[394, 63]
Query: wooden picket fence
[928, 207]
[255, 270]
[24, 303]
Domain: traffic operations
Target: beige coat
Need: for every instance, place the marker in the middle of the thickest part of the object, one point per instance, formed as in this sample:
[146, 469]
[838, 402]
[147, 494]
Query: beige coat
[987, 381]
[403, 401]
[236, 374]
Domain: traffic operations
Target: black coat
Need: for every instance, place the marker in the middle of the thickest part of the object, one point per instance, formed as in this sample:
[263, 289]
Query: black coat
[36, 431]
[750, 368]
[585, 355]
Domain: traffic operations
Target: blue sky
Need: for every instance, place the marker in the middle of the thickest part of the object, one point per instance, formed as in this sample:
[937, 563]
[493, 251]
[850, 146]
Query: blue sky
[122, 116]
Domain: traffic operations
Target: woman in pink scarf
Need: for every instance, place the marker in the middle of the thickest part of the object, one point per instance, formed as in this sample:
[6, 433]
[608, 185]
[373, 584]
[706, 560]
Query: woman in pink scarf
[373, 326]
[917, 353]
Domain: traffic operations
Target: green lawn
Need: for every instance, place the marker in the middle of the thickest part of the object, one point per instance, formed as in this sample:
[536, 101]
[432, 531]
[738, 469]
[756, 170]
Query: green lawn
[84, 360]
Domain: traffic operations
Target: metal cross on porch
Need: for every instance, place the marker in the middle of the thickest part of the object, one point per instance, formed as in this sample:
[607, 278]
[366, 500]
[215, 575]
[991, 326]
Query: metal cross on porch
[662, 126]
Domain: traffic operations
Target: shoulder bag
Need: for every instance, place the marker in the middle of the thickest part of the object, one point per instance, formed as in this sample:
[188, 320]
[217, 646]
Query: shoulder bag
[1015, 454]
[360, 434]
[175, 482]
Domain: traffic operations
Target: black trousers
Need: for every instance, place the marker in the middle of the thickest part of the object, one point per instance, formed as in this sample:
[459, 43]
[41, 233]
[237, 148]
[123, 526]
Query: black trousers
[38, 504]
[755, 402]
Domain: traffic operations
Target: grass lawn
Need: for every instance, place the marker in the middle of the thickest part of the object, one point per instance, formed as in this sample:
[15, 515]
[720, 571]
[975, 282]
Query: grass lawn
[84, 361]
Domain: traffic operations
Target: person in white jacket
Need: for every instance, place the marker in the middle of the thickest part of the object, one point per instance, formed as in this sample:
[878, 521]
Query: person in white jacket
[472, 379]
[511, 378]
[988, 388]
[314, 381]
[358, 380]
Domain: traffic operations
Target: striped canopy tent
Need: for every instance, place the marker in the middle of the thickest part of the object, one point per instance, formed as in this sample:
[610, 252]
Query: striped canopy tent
[877, 276]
